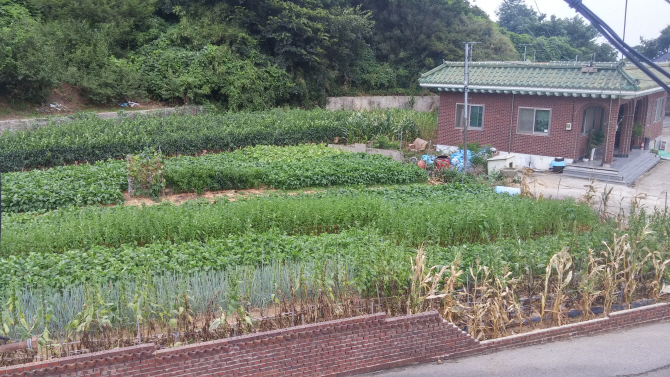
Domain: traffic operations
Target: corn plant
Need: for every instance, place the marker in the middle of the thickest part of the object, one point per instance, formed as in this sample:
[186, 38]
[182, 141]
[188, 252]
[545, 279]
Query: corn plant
[561, 262]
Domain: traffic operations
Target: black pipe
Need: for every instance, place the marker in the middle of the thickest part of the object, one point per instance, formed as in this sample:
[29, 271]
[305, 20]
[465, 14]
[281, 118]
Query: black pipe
[595, 19]
[614, 39]
[632, 58]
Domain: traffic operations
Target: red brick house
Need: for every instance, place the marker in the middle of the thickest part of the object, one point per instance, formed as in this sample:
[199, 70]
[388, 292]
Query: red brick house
[540, 111]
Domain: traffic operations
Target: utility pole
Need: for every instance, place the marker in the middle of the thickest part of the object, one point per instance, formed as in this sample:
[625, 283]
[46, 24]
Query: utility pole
[625, 19]
[466, 108]
[525, 46]
[534, 56]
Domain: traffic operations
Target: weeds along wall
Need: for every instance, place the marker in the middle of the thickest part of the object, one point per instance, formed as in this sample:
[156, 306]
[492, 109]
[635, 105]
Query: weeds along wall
[342, 347]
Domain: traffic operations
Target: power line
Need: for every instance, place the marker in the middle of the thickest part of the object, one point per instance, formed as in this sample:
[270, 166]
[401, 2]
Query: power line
[632, 54]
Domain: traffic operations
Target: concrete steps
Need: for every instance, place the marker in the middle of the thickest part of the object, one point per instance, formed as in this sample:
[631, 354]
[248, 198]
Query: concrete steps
[591, 173]
[637, 168]
[627, 175]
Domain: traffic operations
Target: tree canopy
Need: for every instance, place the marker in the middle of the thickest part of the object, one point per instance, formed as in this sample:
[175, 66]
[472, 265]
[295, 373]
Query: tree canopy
[655, 47]
[551, 38]
[240, 54]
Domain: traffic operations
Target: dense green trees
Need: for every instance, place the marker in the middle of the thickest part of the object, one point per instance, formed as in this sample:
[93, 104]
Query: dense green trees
[655, 47]
[551, 38]
[239, 54]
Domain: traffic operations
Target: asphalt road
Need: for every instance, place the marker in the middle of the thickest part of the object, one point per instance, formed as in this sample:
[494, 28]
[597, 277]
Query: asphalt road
[640, 352]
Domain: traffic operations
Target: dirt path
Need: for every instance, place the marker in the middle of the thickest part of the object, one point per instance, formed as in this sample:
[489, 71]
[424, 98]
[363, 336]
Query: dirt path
[231, 195]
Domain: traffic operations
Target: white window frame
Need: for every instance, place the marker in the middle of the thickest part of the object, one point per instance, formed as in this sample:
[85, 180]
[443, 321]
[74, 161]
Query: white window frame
[660, 109]
[533, 132]
[470, 116]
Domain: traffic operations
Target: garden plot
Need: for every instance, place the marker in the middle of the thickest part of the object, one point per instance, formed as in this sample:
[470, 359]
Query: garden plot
[87, 278]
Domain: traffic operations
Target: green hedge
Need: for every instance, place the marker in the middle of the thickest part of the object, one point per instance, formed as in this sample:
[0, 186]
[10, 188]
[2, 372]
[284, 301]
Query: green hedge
[91, 139]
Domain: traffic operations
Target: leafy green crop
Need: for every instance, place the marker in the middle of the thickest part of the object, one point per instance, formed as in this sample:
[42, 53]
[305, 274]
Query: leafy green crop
[91, 139]
[40, 190]
[277, 167]
[441, 214]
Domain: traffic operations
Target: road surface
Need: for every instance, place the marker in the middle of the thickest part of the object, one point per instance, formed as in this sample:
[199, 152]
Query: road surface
[640, 352]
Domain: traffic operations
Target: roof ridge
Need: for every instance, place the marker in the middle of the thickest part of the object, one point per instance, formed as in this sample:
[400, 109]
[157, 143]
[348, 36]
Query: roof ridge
[527, 64]
[622, 70]
[434, 69]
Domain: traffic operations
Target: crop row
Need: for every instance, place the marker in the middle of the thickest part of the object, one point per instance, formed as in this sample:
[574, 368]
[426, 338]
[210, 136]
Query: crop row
[274, 167]
[441, 215]
[92, 139]
[314, 166]
[253, 267]
[369, 254]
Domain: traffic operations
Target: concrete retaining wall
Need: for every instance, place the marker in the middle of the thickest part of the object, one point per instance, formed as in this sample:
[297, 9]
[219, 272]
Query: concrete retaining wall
[23, 124]
[396, 155]
[335, 348]
[421, 103]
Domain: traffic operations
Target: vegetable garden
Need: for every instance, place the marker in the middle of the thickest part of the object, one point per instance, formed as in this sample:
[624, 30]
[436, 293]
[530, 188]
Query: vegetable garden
[84, 276]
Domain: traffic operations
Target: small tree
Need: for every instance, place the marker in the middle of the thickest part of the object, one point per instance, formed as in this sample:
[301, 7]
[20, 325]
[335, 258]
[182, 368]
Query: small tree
[145, 173]
[596, 139]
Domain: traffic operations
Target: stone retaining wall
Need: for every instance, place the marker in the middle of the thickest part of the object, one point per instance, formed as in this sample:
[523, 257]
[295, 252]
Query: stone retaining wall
[421, 103]
[336, 348]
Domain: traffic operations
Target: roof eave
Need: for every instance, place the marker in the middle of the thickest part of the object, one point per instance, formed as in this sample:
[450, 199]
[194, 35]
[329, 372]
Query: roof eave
[547, 91]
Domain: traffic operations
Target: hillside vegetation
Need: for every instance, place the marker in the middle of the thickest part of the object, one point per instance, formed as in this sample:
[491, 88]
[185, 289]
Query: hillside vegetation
[247, 55]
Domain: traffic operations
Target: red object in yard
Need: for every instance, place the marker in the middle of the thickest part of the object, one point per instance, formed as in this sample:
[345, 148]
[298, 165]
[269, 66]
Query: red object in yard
[421, 164]
[442, 162]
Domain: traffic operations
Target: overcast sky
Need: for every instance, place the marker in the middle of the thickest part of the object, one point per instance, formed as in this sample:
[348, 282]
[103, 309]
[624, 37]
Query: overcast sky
[646, 18]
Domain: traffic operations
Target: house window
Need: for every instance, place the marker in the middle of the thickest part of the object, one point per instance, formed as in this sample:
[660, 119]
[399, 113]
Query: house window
[658, 115]
[476, 116]
[533, 121]
[594, 119]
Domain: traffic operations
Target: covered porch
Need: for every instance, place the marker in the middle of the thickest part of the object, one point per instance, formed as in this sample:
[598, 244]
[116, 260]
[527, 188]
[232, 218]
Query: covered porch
[622, 170]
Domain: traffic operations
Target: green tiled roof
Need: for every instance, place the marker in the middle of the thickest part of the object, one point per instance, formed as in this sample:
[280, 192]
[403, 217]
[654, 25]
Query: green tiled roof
[562, 76]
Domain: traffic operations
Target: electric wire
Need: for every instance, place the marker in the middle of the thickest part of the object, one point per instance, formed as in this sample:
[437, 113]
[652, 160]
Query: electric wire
[613, 38]
[613, 34]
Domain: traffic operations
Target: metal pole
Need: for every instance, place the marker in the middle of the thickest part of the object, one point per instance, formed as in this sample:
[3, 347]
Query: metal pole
[466, 109]
[525, 47]
[625, 19]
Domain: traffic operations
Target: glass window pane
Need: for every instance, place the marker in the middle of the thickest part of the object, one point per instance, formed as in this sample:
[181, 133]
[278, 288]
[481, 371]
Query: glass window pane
[526, 119]
[542, 121]
[658, 115]
[459, 116]
[476, 116]
[589, 119]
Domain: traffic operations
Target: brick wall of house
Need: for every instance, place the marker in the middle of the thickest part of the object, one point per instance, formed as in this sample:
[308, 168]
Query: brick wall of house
[500, 123]
[654, 129]
[335, 348]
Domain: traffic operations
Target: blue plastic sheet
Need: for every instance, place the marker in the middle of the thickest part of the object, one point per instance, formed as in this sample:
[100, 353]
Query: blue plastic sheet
[428, 159]
[457, 159]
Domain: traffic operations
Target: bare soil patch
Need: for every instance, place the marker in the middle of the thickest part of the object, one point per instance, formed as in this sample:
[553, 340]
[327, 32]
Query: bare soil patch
[231, 195]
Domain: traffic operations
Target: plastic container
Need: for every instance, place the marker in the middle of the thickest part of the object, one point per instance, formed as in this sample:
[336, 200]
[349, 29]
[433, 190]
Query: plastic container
[508, 190]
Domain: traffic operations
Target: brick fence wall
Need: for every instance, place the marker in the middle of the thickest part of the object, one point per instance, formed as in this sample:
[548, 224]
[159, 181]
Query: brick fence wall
[336, 348]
